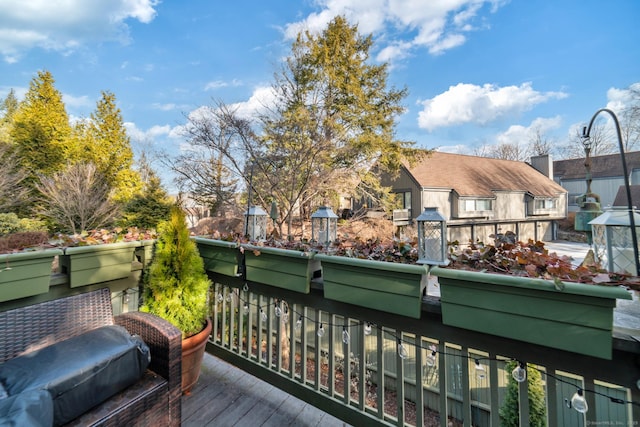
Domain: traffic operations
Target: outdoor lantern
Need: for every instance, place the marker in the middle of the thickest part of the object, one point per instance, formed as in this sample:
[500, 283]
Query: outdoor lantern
[613, 242]
[324, 225]
[432, 238]
[256, 223]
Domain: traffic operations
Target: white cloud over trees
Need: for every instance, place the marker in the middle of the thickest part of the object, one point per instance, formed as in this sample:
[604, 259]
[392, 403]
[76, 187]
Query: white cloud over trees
[469, 103]
[68, 25]
[435, 25]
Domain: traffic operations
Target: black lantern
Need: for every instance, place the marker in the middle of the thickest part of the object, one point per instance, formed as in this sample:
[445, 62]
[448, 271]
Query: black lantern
[432, 238]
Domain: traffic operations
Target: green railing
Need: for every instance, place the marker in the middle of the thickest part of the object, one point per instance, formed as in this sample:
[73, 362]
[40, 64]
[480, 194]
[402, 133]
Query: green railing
[401, 370]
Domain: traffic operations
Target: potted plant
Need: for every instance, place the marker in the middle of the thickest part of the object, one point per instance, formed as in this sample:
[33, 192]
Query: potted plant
[521, 291]
[176, 287]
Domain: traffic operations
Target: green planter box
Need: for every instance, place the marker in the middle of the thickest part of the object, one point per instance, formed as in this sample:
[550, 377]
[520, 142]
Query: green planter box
[578, 318]
[25, 274]
[86, 265]
[385, 286]
[283, 268]
[219, 256]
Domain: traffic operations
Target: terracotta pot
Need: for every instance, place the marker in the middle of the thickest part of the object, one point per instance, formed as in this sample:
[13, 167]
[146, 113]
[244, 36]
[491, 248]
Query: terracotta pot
[192, 353]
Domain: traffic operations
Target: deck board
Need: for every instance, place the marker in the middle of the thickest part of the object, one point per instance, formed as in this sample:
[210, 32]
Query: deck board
[226, 396]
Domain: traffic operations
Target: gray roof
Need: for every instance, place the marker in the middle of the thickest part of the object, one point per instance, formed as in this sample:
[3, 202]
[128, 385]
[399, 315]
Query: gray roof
[621, 196]
[606, 166]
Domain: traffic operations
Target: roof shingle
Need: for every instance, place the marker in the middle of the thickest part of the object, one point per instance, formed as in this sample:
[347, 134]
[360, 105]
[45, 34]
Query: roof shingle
[474, 176]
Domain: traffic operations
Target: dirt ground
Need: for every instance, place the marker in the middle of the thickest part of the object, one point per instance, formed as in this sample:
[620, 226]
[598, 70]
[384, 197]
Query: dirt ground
[368, 228]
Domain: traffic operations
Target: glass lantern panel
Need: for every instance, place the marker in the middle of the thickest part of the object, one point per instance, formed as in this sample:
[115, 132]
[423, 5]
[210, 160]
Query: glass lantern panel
[600, 244]
[622, 257]
[257, 227]
[432, 241]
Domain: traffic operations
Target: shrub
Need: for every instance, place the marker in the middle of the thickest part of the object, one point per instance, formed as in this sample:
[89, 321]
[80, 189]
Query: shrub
[10, 223]
[510, 413]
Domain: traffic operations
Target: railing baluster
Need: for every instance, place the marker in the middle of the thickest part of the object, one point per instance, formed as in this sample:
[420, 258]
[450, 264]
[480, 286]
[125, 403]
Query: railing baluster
[419, 381]
[442, 383]
[233, 322]
[279, 336]
[239, 320]
[399, 382]
[552, 396]
[362, 366]
[494, 397]
[269, 331]
[303, 345]
[592, 414]
[291, 335]
[259, 326]
[381, 374]
[466, 391]
[250, 324]
[523, 402]
[346, 371]
[225, 320]
[331, 374]
[318, 357]
[215, 330]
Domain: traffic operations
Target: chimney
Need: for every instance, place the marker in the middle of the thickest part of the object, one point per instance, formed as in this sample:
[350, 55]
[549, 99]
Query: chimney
[543, 164]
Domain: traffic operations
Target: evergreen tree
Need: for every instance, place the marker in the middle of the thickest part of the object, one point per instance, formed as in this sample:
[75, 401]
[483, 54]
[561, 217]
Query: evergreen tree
[337, 112]
[40, 130]
[8, 108]
[147, 209]
[510, 413]
[175, 286]
[104, 142]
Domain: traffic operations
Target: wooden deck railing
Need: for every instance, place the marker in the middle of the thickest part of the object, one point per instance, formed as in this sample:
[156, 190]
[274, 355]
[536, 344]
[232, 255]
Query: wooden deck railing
[403, 371]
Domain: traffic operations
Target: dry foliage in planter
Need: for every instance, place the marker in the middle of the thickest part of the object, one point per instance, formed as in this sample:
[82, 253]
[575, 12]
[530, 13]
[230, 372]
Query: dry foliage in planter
[532, 259]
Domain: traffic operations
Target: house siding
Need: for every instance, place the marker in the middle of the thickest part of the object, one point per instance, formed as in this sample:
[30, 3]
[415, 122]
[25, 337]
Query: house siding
[511, 186]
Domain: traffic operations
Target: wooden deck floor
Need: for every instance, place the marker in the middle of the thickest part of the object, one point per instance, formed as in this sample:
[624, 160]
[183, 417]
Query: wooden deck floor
[227, 396]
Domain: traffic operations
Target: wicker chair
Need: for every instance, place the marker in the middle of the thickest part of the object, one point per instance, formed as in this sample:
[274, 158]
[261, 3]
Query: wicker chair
[154, 401]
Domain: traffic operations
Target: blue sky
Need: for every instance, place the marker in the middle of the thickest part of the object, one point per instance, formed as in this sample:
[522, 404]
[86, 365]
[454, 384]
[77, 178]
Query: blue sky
[478, 72]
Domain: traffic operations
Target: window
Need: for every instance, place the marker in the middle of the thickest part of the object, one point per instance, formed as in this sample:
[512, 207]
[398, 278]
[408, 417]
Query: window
[404, 200]
[545, 204]
[475, 205]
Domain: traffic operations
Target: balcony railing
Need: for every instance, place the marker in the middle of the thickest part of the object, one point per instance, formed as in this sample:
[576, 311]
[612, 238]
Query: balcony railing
[370, 367]
[366, 366]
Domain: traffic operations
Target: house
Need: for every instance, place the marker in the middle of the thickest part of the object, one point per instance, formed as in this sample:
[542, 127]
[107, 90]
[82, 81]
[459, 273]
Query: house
[481, 196]
[606, 174]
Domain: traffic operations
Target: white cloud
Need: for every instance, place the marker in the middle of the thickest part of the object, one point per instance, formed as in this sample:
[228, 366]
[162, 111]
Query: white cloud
[468, 103]
[79, 102]
[139, 135]
[217, 84]
[438, 25]
[66, 25]
[164, 107]
[518, 134]
[262, 97]
[619, 99]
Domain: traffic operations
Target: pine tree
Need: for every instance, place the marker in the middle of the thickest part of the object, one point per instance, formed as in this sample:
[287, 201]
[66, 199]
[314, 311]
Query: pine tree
[175, 286]
[40, 130]
[510, 413]
[105, 143]
[148, 208]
